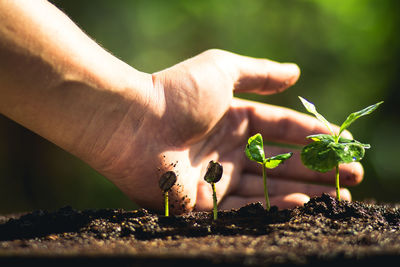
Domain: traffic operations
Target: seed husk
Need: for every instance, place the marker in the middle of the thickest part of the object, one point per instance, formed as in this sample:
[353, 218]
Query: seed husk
[214, 172]
[167, 180]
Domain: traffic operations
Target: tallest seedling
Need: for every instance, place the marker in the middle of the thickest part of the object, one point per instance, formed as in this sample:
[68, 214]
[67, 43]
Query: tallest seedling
[329, 150]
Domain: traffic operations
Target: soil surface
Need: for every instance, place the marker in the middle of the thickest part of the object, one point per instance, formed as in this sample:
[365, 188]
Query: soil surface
[323, 232]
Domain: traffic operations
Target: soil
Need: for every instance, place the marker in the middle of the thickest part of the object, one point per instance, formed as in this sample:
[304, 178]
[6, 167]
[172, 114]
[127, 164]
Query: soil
[323, 232]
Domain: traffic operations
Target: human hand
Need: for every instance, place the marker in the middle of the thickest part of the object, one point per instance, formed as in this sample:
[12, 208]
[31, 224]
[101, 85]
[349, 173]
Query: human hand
[194, 119]
[132, 126]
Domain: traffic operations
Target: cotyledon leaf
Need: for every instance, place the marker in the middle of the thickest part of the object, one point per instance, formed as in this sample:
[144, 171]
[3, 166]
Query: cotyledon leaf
[324, 155]
[330, 138]
[348, 152]
[318, 156]
[255, 148]
[275, 161]
[321, 137]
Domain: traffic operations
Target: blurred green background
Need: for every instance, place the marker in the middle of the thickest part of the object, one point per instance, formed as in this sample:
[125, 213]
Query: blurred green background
[348, 52]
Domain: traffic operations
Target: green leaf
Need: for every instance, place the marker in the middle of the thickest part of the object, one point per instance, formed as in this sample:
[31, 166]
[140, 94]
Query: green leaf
[319, 157]
[330, 138]
[274, 162]
[355, 115]
[321, 137]
[365, 146]
[348, 152]
[324, 155]
[311, 108]
[255, 148]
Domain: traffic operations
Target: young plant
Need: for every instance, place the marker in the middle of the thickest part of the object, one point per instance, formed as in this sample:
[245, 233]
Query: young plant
[255, 152]
[329, 150]
[167, 180]
[212, 176]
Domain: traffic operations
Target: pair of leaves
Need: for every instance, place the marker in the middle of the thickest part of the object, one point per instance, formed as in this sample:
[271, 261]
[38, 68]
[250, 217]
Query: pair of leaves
[349, 120]
[255, 152]
[324, 153]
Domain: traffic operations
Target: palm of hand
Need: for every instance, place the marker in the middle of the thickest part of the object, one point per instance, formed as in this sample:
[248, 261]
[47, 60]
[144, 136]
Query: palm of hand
[203, 125]
[195, 119]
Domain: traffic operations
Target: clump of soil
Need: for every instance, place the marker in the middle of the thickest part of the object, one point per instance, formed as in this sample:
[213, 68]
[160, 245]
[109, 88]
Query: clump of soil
[323, 231]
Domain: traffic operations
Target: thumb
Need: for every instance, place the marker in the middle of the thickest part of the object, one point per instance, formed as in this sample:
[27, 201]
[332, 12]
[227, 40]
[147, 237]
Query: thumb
[262, 76]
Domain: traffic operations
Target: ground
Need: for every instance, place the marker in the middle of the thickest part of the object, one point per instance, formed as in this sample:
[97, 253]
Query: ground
[322, 232]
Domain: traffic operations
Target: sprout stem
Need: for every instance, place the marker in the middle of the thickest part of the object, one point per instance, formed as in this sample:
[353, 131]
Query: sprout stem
[166, 203]
[337, 172]
[215, 211]
[337, 183]
[264, 173]
[336, 138]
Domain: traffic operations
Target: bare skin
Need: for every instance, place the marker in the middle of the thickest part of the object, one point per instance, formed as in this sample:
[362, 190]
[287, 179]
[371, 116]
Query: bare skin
[132, 126]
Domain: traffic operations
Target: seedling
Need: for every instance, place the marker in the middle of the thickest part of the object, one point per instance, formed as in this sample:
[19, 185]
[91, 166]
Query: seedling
[329, 150]
[255, 152]
[212, 176]
[167, 180]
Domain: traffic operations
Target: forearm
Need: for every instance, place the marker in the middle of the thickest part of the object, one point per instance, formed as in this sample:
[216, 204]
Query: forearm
[60, 84]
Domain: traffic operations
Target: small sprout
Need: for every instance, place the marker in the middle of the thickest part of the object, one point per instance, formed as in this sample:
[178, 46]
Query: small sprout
[212, 176]
[328, 151]
[255, 152]
[167, 180]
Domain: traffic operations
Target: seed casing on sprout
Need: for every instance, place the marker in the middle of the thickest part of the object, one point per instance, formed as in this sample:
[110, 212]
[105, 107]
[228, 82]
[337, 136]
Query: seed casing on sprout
[167, 180]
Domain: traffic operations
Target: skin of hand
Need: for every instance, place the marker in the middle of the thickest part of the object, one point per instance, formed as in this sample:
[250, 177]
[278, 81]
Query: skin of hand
[132, 126]
[202, 121]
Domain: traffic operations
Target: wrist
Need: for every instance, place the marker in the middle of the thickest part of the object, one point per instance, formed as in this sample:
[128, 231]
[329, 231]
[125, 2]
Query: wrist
[62, 85]
[111, 115]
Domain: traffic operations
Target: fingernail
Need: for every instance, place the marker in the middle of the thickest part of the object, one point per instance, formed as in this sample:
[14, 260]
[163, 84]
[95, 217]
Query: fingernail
[292, 68]
[293, 72]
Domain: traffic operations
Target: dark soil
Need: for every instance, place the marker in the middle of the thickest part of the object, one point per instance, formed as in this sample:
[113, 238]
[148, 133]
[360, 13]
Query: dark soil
[324, 232]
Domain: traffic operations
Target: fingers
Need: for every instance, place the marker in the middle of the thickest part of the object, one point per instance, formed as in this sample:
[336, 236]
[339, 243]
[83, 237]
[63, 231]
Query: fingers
[263, 76]
[279, 124]
[293, 169]
[254, 75]
[282, 201]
